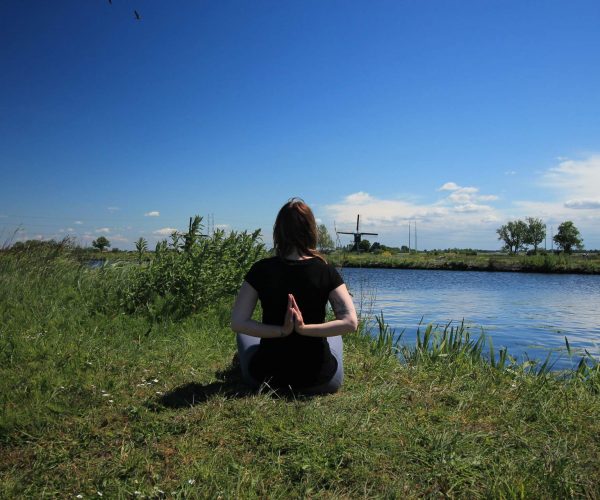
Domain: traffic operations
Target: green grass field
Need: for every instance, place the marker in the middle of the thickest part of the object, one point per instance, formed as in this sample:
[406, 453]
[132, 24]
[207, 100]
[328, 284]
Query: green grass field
[95, 401]
[473, 261]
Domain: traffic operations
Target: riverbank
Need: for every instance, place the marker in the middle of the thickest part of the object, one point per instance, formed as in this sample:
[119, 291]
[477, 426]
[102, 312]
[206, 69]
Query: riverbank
[463, 261]
[95, 401]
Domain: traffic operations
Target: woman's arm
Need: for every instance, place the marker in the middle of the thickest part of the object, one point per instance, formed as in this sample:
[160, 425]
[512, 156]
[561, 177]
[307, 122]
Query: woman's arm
[241, 316]
[345, 316]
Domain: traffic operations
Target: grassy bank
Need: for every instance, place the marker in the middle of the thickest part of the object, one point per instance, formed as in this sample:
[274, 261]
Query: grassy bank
[94, 400]
[472, 261]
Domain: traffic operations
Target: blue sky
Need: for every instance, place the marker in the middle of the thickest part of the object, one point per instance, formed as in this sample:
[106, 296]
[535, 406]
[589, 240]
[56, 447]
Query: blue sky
[461, 115]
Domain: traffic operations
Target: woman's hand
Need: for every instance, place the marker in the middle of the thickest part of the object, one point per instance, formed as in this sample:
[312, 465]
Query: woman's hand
[298, 319]
[288, 323]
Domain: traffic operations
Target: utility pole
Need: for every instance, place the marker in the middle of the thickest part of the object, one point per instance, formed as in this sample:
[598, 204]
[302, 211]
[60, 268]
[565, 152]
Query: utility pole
[408, 236]
[416, 236]
[210, 224]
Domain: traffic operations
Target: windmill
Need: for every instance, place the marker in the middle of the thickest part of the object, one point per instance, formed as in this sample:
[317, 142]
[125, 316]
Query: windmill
[357, 234]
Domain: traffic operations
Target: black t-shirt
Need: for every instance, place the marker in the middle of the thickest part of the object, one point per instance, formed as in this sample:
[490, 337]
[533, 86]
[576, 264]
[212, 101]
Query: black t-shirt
[295, 360]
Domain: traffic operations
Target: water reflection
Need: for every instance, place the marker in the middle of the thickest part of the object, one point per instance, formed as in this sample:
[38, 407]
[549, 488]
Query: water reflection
[527, 313]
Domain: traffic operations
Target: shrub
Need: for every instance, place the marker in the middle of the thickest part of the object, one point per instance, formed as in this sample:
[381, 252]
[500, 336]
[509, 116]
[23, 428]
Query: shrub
[190, 272]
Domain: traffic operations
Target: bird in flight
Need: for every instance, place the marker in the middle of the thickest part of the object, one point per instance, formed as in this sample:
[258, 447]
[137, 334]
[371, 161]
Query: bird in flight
[137, 15]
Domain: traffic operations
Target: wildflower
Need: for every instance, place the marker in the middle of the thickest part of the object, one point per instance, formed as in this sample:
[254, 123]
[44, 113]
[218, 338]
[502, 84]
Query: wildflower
[79, 496]
[191, 481]
[99, 493]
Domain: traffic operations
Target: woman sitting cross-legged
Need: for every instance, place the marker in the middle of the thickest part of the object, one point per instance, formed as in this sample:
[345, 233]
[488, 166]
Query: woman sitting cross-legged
[293, 346]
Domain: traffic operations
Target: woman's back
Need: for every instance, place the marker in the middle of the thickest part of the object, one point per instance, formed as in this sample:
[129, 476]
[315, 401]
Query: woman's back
[309, 280]
[295, 360]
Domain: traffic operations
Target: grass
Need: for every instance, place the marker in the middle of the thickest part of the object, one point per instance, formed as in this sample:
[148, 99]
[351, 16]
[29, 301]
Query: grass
[473, 261]
[94, 400]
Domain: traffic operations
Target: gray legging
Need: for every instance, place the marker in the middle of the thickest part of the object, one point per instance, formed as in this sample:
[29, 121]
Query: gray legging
[247, 347]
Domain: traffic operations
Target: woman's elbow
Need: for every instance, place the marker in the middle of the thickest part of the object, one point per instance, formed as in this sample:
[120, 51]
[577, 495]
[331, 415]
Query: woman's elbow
[235, 325]
[352, 323]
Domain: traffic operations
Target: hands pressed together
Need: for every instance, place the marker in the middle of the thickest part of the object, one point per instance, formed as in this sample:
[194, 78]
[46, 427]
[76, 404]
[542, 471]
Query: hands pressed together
[293, 318]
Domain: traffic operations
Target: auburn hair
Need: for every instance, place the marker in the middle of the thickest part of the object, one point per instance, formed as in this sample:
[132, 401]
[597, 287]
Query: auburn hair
[295, 228]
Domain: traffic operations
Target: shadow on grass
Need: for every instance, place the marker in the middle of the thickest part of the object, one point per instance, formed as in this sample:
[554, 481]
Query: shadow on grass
[230, 386]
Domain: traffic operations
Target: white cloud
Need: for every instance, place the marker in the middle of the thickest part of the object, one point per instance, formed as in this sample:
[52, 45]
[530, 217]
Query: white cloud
[153, 213]
[113, 209]
[359, 198]
[575, 179]
[165, 231]
[449, 186]
[460, 208]
[70, 229]
[491, 218]
[224, 227]
[104, 230]
[78, 222]
[510, 172]
[583, 204]
[464, 197]
[472, 207]
[571, 193]
[459, 196]
[119, 238]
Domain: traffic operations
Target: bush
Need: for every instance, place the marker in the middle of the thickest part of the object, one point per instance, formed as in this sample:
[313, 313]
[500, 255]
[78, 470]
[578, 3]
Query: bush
[190, 272]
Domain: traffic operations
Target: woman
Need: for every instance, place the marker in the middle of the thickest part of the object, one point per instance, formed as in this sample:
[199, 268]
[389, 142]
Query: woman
[293, 346]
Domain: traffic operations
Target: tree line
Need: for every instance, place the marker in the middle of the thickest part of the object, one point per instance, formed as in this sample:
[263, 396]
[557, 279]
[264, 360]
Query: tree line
[519, 234]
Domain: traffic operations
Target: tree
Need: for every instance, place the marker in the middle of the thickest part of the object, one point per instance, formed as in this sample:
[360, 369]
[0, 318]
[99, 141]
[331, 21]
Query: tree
[141, 246]
[376, 247]
[324, 241]
[513, 234]
[568, 237]
[364, 246]
[101, 243]
[535, 233]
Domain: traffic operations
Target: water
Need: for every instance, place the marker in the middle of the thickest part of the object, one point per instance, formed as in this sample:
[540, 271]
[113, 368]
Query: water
[530, 314]
[95, 263]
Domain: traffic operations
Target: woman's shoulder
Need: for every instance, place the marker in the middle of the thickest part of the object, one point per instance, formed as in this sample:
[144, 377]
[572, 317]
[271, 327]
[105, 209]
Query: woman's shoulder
[257, 272]
[333, 273]
[266, 262]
